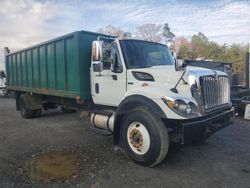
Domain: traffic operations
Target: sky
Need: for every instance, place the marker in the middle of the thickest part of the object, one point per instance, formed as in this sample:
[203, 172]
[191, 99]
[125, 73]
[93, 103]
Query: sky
[27, 22]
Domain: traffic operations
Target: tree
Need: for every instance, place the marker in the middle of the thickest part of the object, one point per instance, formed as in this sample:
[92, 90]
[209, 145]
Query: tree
[199, 45]
[181, 41]
[149, 32]
[112, 30]
[167, 34]
[236, 54]
[214, 51]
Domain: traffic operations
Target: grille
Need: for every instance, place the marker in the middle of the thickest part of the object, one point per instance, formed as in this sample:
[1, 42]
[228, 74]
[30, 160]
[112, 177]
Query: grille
[215, 91]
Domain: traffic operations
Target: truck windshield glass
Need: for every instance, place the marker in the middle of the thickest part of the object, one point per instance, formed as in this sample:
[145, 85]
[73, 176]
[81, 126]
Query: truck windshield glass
[143, 54]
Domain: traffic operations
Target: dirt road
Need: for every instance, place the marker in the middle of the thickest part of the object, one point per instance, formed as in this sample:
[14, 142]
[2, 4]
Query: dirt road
[79, 157]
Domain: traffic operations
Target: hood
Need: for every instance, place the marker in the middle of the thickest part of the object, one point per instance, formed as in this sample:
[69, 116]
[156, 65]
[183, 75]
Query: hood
[203, 71]
[168, 74]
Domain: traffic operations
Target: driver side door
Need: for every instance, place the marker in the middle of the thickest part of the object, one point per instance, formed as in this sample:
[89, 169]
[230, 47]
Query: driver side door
[108, 87]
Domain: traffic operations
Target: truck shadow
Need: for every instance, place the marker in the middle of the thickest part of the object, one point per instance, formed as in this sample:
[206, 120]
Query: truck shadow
[51, 113]
[179, 154]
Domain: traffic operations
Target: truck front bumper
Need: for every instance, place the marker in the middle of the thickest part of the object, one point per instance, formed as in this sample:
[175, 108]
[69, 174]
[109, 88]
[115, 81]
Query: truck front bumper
[189, 131]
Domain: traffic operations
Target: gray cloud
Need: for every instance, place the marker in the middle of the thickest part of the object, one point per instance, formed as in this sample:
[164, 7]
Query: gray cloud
[26, 22]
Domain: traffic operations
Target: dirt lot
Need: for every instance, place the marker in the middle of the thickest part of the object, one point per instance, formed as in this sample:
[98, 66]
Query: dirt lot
[82, 158]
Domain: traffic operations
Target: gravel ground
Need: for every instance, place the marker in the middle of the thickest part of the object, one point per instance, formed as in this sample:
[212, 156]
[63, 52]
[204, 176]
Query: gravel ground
[222, 161]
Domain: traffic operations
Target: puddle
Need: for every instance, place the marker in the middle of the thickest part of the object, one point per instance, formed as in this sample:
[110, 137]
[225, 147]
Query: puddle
[53, 166]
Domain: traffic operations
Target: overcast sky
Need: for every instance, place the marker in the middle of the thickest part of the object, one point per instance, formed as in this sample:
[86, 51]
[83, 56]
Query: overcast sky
[26, 22]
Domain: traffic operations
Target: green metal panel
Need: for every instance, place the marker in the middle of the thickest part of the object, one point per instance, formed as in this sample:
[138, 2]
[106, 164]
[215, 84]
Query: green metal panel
[51, 66]
[35, 61]
[43, 67]
[59, 67]
[19, 69]
[29, 68]
[72, 65]
[24, 69]
[84, 53]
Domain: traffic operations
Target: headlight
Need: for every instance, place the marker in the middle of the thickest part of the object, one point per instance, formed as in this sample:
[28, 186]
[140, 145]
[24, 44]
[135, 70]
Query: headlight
[181, 107]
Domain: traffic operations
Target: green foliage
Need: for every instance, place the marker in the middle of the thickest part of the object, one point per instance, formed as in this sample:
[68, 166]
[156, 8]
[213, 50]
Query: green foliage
[185, 52]
[200, 47]
[199, 44]
[236, 53]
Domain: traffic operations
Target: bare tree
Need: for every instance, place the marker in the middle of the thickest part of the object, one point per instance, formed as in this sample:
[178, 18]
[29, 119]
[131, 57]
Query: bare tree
[112, 30]
[180, 42]
[150, 32]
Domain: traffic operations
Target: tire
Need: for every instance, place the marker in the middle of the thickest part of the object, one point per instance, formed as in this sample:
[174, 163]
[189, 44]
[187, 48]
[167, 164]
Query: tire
[68, 110]
[37, 113]
[144, 137]
[24, 111]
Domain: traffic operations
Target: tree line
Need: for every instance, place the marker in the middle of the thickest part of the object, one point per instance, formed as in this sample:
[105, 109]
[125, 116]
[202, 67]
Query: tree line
[197, 47]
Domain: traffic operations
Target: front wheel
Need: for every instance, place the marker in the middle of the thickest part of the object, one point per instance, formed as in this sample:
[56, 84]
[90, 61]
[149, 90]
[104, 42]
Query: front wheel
[145, 137]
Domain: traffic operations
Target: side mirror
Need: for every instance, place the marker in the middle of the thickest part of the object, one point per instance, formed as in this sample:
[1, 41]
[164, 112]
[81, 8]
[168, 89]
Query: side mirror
[180, 65]
[97, 51]
[97, 66]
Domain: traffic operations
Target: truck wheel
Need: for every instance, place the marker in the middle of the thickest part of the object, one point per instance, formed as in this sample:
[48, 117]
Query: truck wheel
[145, 137]
[25, 112]
[37, 113]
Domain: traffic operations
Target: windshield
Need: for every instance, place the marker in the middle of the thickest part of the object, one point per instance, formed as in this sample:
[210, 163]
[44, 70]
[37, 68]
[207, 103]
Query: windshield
[143, 54]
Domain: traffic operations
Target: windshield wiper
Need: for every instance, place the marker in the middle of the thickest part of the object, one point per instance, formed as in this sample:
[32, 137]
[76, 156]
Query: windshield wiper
[181, 78]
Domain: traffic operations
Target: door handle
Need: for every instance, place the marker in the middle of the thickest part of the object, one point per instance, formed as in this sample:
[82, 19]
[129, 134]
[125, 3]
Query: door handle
[114, 77]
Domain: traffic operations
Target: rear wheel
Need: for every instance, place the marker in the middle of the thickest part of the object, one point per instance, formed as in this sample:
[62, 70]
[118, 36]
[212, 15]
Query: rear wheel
[37, 113]
[145, 137]
[25, 112]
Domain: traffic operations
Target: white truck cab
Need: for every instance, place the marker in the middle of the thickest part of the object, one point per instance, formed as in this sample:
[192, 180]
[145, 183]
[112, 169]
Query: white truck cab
[148, 98]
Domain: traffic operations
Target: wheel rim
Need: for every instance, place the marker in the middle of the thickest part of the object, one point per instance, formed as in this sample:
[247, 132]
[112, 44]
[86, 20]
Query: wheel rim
[138, 138]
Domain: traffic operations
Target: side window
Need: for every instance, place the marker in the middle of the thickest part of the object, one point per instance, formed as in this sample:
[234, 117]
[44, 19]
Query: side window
[106, 48]
[116, 64]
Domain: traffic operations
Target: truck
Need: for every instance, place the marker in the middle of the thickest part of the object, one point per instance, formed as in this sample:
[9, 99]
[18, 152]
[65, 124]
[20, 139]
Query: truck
[133, 88]
[3, 90]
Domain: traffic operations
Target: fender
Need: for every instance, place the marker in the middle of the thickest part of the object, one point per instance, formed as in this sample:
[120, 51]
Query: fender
[127, 104]
[135, 100]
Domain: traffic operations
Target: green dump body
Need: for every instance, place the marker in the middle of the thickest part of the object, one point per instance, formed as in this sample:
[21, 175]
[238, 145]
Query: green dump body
[59, 67]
